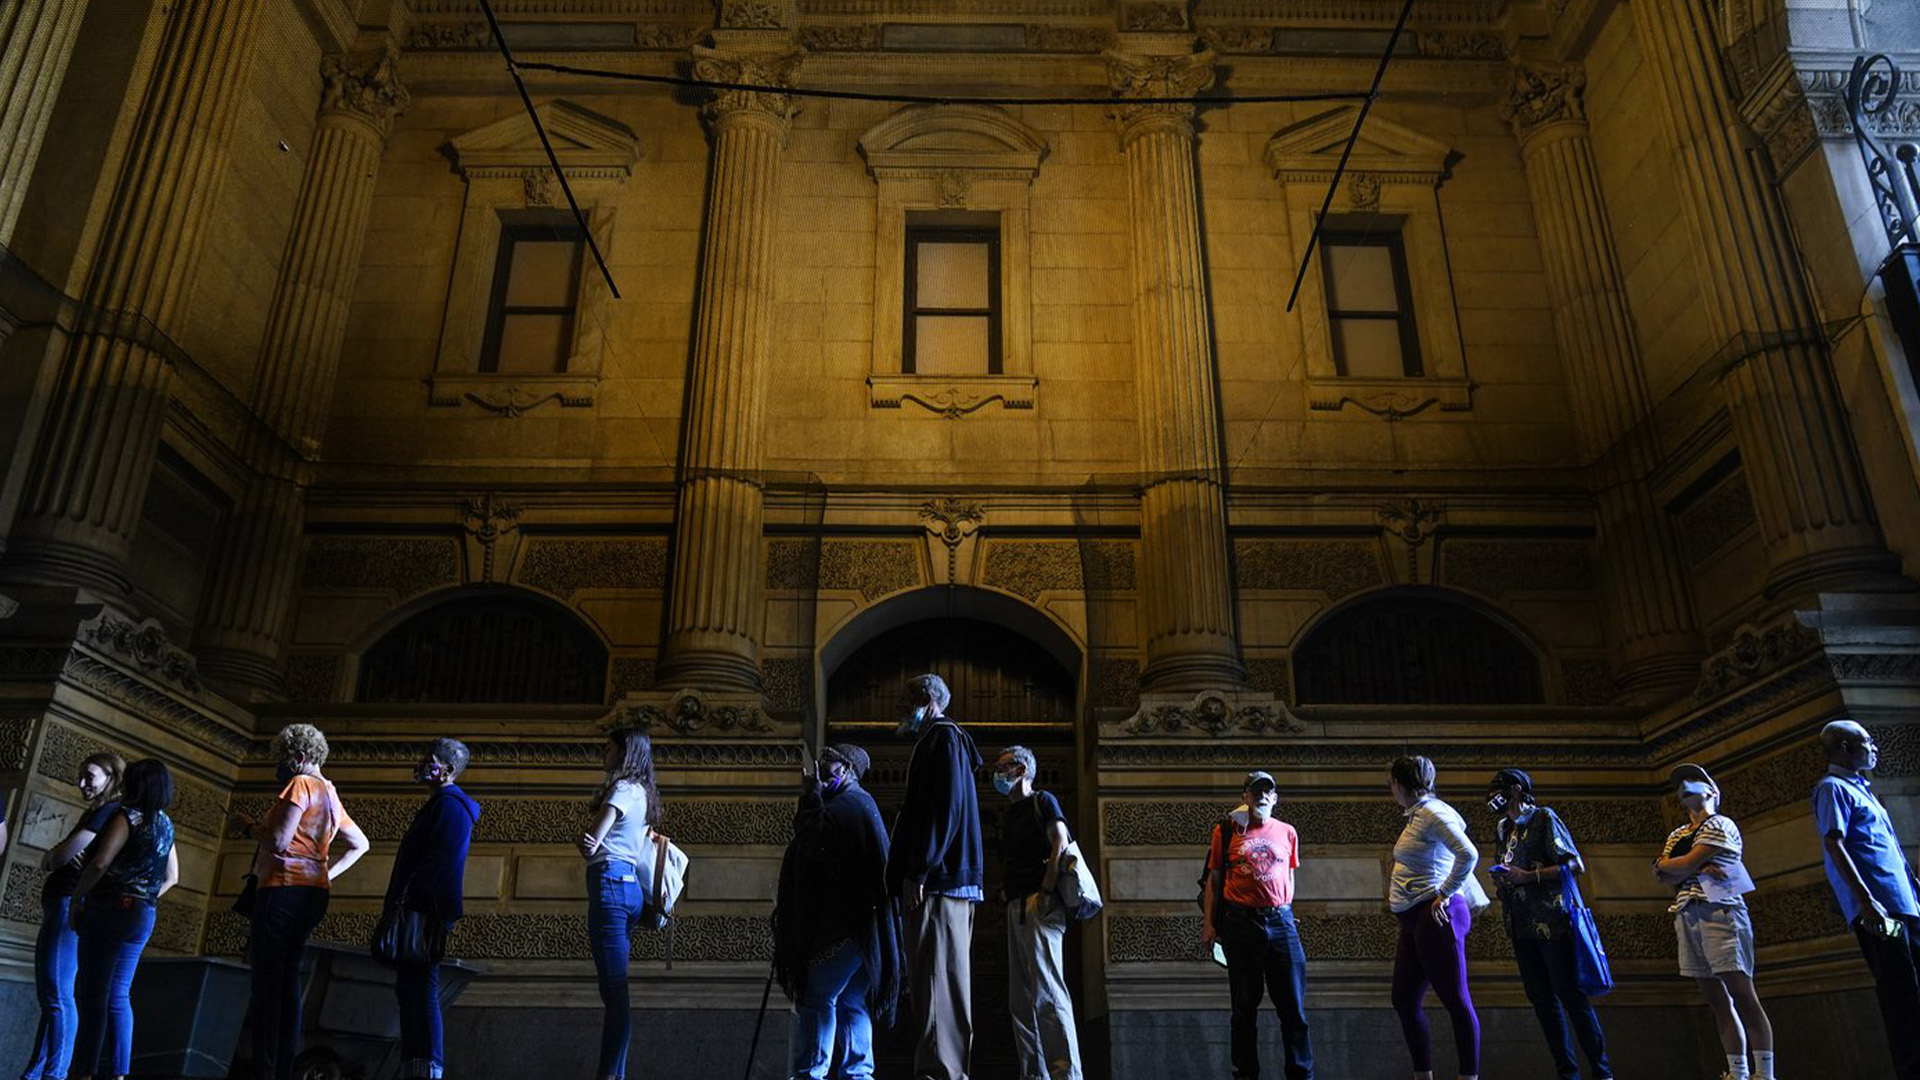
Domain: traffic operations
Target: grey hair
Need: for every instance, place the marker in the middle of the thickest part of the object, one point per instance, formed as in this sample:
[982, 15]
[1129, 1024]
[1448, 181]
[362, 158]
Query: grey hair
[1840, 732]
[453, 754]
[1026, 759]
[300, 741]
[933, 687]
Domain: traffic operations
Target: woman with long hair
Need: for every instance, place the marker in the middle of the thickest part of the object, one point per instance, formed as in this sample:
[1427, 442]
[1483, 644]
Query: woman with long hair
[131, 866]
[1434, 895]
[56, 952]
[293, 875]
[624, 812]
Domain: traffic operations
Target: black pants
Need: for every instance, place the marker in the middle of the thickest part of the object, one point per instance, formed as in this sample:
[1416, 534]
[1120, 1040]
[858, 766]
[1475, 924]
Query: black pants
[1553, 986]
[1264, 954]
[284, 917]
[1895, 963]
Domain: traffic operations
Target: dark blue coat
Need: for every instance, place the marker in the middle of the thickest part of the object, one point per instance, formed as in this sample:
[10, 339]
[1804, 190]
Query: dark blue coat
[431, 865]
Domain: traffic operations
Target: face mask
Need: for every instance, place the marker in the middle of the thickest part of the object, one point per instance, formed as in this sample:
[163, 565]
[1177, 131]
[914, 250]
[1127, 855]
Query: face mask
[1003, 783]
[430, 772]
[1693, 790]
[911, 723]
[1496, 803]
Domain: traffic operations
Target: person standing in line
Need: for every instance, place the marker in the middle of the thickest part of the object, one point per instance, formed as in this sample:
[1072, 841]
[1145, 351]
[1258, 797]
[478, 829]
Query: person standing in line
[131, 866]
[1033, 836]
[1874, 884]
[935, 866]
[1536, 855]
[56, 949]
[836, 936]
[1247, 906]
[1701, 860]
[1434, 895]
[429, 873]
[624, 813]
[294, 872]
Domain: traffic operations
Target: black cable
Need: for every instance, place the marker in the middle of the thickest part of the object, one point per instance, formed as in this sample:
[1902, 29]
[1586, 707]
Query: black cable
[934, 99]
[1379, 74]
[540, 129]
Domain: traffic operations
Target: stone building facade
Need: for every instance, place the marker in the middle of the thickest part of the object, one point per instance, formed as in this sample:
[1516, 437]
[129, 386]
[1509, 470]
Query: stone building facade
[1608, 463]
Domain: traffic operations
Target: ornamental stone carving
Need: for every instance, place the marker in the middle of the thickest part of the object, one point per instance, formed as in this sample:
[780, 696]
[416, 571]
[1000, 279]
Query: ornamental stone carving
[1336, 567]
[1031, 567]
[690, 711]
[773, 71]
[1540, 97]
[404, 566]
[565, 567]
[753, 15]
[1154, 16]
[1754, 654]
[1134, 77]
[366, 86]
[144, 647]
[1497, 567]
[1216, 714]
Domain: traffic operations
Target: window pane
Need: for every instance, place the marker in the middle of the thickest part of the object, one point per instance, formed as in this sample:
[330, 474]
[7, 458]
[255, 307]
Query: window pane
[950, 345]
[952, 276]
[1360, 278]
[533, 343]
[543, 273]
[1369, 348]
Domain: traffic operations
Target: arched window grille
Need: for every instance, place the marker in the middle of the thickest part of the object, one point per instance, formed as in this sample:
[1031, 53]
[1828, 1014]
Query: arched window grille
[491, 649]
[1414, 649]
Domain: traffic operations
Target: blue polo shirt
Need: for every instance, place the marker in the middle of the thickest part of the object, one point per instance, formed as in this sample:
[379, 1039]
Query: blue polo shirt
[1847, 805]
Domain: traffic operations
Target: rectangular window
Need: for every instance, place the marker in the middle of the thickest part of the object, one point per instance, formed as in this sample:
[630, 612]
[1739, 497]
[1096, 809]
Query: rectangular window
[536, 289]
[1370, 305]
[952, 301]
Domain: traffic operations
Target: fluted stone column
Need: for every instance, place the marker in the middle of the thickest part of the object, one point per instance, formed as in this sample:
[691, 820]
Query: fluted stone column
[1650, 620]
[93, 457]
[714, 611]
[1816, 515]
[1185, 587]
[248, 600]
[36, 41]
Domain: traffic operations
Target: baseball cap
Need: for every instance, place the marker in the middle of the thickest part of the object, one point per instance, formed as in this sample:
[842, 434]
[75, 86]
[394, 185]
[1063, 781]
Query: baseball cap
[1511, 778]
[1258, 777]
[1690, 771]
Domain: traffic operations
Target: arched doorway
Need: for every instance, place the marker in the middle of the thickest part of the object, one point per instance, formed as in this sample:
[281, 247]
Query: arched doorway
[1016, 678]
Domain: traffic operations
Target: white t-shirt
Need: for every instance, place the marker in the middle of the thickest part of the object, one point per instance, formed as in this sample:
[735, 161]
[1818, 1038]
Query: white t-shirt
[628, 835]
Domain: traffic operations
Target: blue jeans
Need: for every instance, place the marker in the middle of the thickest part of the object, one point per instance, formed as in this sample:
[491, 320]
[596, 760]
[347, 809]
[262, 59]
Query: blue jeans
[613, 905]
[56, 955]
[422, 1049]
[830, 1020]
[1264, 954]
[284, 917]
[111, 937]
[1552, 983]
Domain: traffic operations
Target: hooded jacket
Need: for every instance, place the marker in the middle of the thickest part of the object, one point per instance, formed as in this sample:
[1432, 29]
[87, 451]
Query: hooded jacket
[832, 890]
[430, 867]
[936, 838]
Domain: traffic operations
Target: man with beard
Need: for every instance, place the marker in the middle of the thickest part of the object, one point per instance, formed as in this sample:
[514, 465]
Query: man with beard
[935, 867]
[1247, 906]
[836, 937]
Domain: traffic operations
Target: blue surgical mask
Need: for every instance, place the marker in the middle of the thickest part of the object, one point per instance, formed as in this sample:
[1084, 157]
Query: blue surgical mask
[912, 721]
[1003, 783]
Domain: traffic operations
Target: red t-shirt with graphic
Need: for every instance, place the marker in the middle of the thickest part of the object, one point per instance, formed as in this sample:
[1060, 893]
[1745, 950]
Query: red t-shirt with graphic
[1260, 864]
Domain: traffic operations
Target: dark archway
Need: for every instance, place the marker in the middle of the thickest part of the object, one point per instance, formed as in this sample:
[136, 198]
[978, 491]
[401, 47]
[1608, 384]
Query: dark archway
[1414, 647]
[996, 677]
[487, 647]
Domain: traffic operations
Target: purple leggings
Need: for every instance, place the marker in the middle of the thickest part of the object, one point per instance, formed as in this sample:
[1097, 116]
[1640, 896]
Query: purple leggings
[1434, 955]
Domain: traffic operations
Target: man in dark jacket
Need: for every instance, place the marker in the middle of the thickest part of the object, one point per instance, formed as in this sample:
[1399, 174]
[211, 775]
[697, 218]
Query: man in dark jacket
[935, 867]
[836, 936]
[428, 872]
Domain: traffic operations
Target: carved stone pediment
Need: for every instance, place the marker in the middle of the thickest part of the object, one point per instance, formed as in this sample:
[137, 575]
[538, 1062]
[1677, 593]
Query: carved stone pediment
[1309, 151]
[926, 140]
[589, 145]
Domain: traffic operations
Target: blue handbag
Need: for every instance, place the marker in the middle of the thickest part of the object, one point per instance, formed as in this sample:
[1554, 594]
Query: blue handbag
[1591, 970]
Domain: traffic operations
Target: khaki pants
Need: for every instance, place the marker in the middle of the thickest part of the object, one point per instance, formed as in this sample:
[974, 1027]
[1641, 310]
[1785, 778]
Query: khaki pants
[1037, 996]
[940, 974]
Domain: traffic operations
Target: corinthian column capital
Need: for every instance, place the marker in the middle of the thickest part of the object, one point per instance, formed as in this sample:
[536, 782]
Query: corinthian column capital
[366, 86]
[772, 67]
[1138, 80]
[1542, 97]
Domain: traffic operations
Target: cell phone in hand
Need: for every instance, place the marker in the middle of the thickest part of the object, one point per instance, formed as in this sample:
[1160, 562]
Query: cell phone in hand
[1499, 868]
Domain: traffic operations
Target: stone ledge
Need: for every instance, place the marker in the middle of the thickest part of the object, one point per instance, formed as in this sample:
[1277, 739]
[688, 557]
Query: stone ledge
[1391, 399]
[512, 394]
[952, 396]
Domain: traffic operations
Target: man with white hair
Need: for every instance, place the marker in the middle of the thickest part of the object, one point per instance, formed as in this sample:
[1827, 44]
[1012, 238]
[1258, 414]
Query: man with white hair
[1873, 882]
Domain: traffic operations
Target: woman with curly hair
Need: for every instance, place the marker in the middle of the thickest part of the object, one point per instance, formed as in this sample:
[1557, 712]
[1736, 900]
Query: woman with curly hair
[624, 813]
[293, 874]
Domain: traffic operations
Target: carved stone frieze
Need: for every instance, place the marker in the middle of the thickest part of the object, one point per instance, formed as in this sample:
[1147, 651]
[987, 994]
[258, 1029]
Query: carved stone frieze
[487, 519]
[1031, 567]
[1798, 913]
[565, 567]
[366, 86]
[1067, 39]
[1498, 567]
[1214, 714]
[689, 711]
[154, 703]
[1460, 45]
[312, 677]
[856, 37]
[1539, 97]
[1875, 667]
[143, 647]
[956, 397]
[1237, 40]
[474, 34]
[1335, 567]
[403, 565]
[1754, 653]
[1586, 680]
[1718, 517]
[176, 927]
[874, 568]
[753, 15]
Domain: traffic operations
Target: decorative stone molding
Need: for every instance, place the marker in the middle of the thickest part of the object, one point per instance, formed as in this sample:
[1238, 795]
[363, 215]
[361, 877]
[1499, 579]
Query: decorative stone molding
[1335, 567]
[487, 520]
[1215, 713]
[1029, 568]
[516, 398]
[873, 568]
[1135, 76]
[953, 523]
[142, 646]
[402, 565]
[689, 711]
[1542, 97]
[1067, 39]
[159, 704]
[771, 68]
[1155, 16]
[953, 397]
[1459, 45]
[564, 567]
[472, 34]
[367, 87]
[1753, 653]
[1498, 567]
[754, 15]
[857, 37]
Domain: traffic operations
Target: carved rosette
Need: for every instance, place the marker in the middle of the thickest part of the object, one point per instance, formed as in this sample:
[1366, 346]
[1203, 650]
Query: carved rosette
[1539, 98]
[364, 86]
[691, 711]
[1214, 714]
[756, 69]
[1137, 82]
